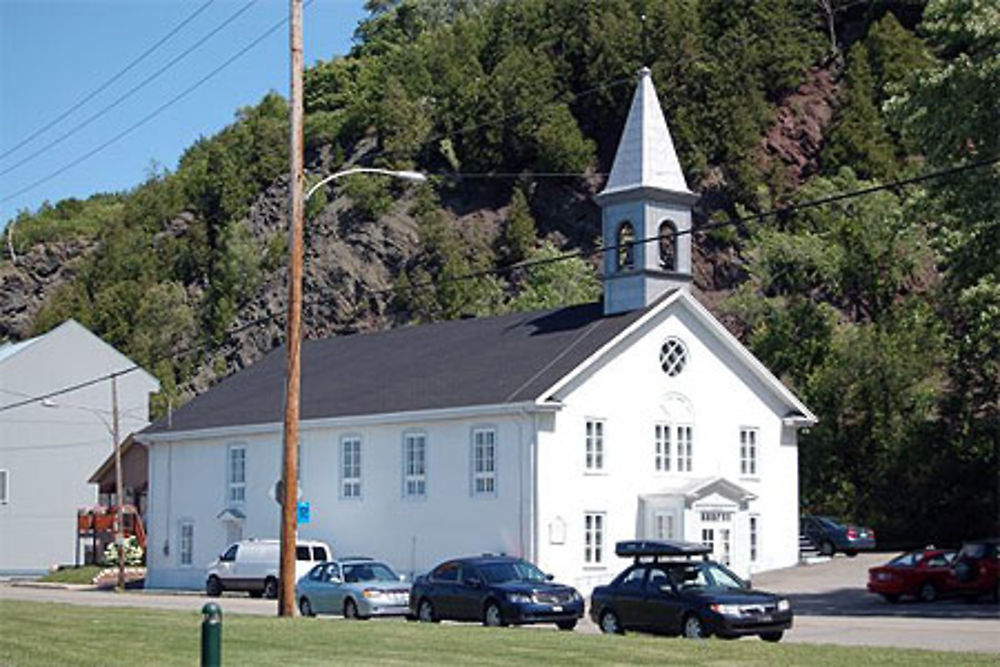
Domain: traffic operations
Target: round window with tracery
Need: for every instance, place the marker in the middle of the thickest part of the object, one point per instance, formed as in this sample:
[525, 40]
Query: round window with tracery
[673, 356]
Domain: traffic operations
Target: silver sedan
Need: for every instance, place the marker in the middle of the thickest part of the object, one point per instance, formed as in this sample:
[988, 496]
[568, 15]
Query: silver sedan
[357, 588]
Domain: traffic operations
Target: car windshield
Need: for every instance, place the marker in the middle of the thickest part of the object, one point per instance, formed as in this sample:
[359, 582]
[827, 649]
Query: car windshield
[498, 573]
[705, 575]
[906, 560]
[828, 522]
[360, 572]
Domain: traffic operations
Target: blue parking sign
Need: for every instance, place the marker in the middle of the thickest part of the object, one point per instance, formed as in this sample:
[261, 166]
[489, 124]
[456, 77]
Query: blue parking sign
[303, 512]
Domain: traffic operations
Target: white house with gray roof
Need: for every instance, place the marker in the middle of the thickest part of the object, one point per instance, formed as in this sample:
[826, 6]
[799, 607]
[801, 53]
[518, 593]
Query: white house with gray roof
[548, 435]
[48, 449]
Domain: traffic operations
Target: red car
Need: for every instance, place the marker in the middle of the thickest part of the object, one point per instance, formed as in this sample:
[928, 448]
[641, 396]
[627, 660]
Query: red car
[923, 573]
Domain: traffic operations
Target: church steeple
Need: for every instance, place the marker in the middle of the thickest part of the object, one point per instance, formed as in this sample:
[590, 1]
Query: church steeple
[646, 196]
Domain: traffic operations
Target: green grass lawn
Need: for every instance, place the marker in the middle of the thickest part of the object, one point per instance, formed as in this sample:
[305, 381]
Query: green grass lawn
[33, 633]
[73, 575]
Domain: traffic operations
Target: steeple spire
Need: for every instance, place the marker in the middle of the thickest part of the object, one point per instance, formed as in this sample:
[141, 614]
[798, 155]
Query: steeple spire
[646, 156]
[646, 197]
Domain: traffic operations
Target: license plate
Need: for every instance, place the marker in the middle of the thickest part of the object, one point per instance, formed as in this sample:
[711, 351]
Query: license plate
[556, 607]
[764, 618]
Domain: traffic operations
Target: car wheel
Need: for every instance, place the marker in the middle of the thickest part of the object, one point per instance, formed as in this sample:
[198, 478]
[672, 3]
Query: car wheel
[305, 608]
[694, 628]
[928, 592]
[610, 624]
[351, 610]
[772, 636]
[891, 597]
[826, 548]
[492, 616]
[213, 587]
[270, 588]
[425, 612]
[566, 625]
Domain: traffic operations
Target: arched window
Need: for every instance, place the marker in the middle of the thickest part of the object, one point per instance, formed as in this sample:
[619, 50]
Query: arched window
[626, 246]
[668, 246]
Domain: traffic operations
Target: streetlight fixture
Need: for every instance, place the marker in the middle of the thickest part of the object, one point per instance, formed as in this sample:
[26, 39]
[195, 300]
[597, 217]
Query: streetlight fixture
[414, 176]
[116, 444]
[288, 494]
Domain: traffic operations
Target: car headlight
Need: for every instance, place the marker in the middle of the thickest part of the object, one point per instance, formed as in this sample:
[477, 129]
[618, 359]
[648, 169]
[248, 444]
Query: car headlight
[783, 605]
[726, 609]
[519, 598]
[373, 593]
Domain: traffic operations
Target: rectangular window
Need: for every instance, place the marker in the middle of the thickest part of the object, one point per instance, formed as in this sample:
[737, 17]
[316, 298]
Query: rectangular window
[237, 475]
[4, 488]
[593, 538]
[662, 457]
[595, 445]
[186, 551]
[708, 538]
[484, 462]
[724, 536]
[684, 449]
[415, 465]
[663, 526]
[753, 538]
[350, 467]
[748, 451]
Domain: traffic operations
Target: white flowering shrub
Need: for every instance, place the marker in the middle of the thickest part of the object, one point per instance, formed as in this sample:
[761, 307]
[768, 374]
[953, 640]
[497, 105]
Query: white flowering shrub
[133, 552]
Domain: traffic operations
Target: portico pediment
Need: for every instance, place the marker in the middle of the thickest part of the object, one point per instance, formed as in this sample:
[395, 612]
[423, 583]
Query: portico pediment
[718, 488]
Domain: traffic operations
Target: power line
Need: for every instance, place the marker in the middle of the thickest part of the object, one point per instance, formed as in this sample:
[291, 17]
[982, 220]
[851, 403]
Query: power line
[529, 264]
[107, 83]
[155, 113]
[66, 390]
[142, 84]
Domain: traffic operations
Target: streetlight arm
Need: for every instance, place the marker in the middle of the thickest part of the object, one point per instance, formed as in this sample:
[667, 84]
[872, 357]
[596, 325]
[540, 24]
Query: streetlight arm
[415, 176]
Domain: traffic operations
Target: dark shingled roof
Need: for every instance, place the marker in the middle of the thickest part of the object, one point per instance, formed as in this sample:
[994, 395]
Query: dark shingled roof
[485, 361]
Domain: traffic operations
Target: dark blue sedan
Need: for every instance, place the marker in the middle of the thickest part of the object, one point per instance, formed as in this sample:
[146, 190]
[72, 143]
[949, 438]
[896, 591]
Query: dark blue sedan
[830, 536]
[496, 590]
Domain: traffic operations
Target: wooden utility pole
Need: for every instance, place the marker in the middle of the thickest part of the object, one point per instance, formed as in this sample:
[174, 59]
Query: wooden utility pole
[119, 514]
[289, 487]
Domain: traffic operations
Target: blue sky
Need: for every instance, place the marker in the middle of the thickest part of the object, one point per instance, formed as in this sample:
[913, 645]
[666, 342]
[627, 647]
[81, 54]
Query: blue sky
[53, 53]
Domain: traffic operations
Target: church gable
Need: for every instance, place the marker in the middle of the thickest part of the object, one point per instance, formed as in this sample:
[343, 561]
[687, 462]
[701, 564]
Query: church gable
[677, 350]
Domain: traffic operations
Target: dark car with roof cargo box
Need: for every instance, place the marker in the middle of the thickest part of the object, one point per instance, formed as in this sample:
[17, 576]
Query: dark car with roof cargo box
[673, 588]
[496, 590]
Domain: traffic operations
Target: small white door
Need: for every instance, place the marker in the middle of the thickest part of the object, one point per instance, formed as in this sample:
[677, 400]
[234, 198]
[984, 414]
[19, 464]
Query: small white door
[234, 532]
[717, 533]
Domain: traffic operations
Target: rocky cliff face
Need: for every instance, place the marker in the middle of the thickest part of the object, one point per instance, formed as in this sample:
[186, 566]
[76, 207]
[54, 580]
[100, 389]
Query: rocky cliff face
[27, 281]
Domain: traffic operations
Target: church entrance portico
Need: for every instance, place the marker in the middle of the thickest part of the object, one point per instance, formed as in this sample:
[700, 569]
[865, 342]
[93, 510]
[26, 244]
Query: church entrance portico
[713, 511]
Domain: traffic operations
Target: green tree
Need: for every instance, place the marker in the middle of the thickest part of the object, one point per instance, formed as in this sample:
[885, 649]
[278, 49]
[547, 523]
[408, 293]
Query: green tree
[859, 138]
[555, 284]
[948, 112]
[519, 232]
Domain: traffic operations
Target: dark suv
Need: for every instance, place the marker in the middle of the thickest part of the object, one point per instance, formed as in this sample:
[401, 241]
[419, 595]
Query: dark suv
[497, 590]
[974, 569]
[667, 590]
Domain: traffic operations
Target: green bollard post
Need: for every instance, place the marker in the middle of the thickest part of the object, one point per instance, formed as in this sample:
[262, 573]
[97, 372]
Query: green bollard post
[211, 635]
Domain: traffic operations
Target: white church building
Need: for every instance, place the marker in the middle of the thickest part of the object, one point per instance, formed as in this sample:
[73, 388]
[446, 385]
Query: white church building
[548, 435]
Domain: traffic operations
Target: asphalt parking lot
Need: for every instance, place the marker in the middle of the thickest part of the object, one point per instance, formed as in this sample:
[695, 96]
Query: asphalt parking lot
[830, 602]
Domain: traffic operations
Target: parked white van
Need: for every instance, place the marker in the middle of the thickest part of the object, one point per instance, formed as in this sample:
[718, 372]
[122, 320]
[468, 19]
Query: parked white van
[252, 565]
